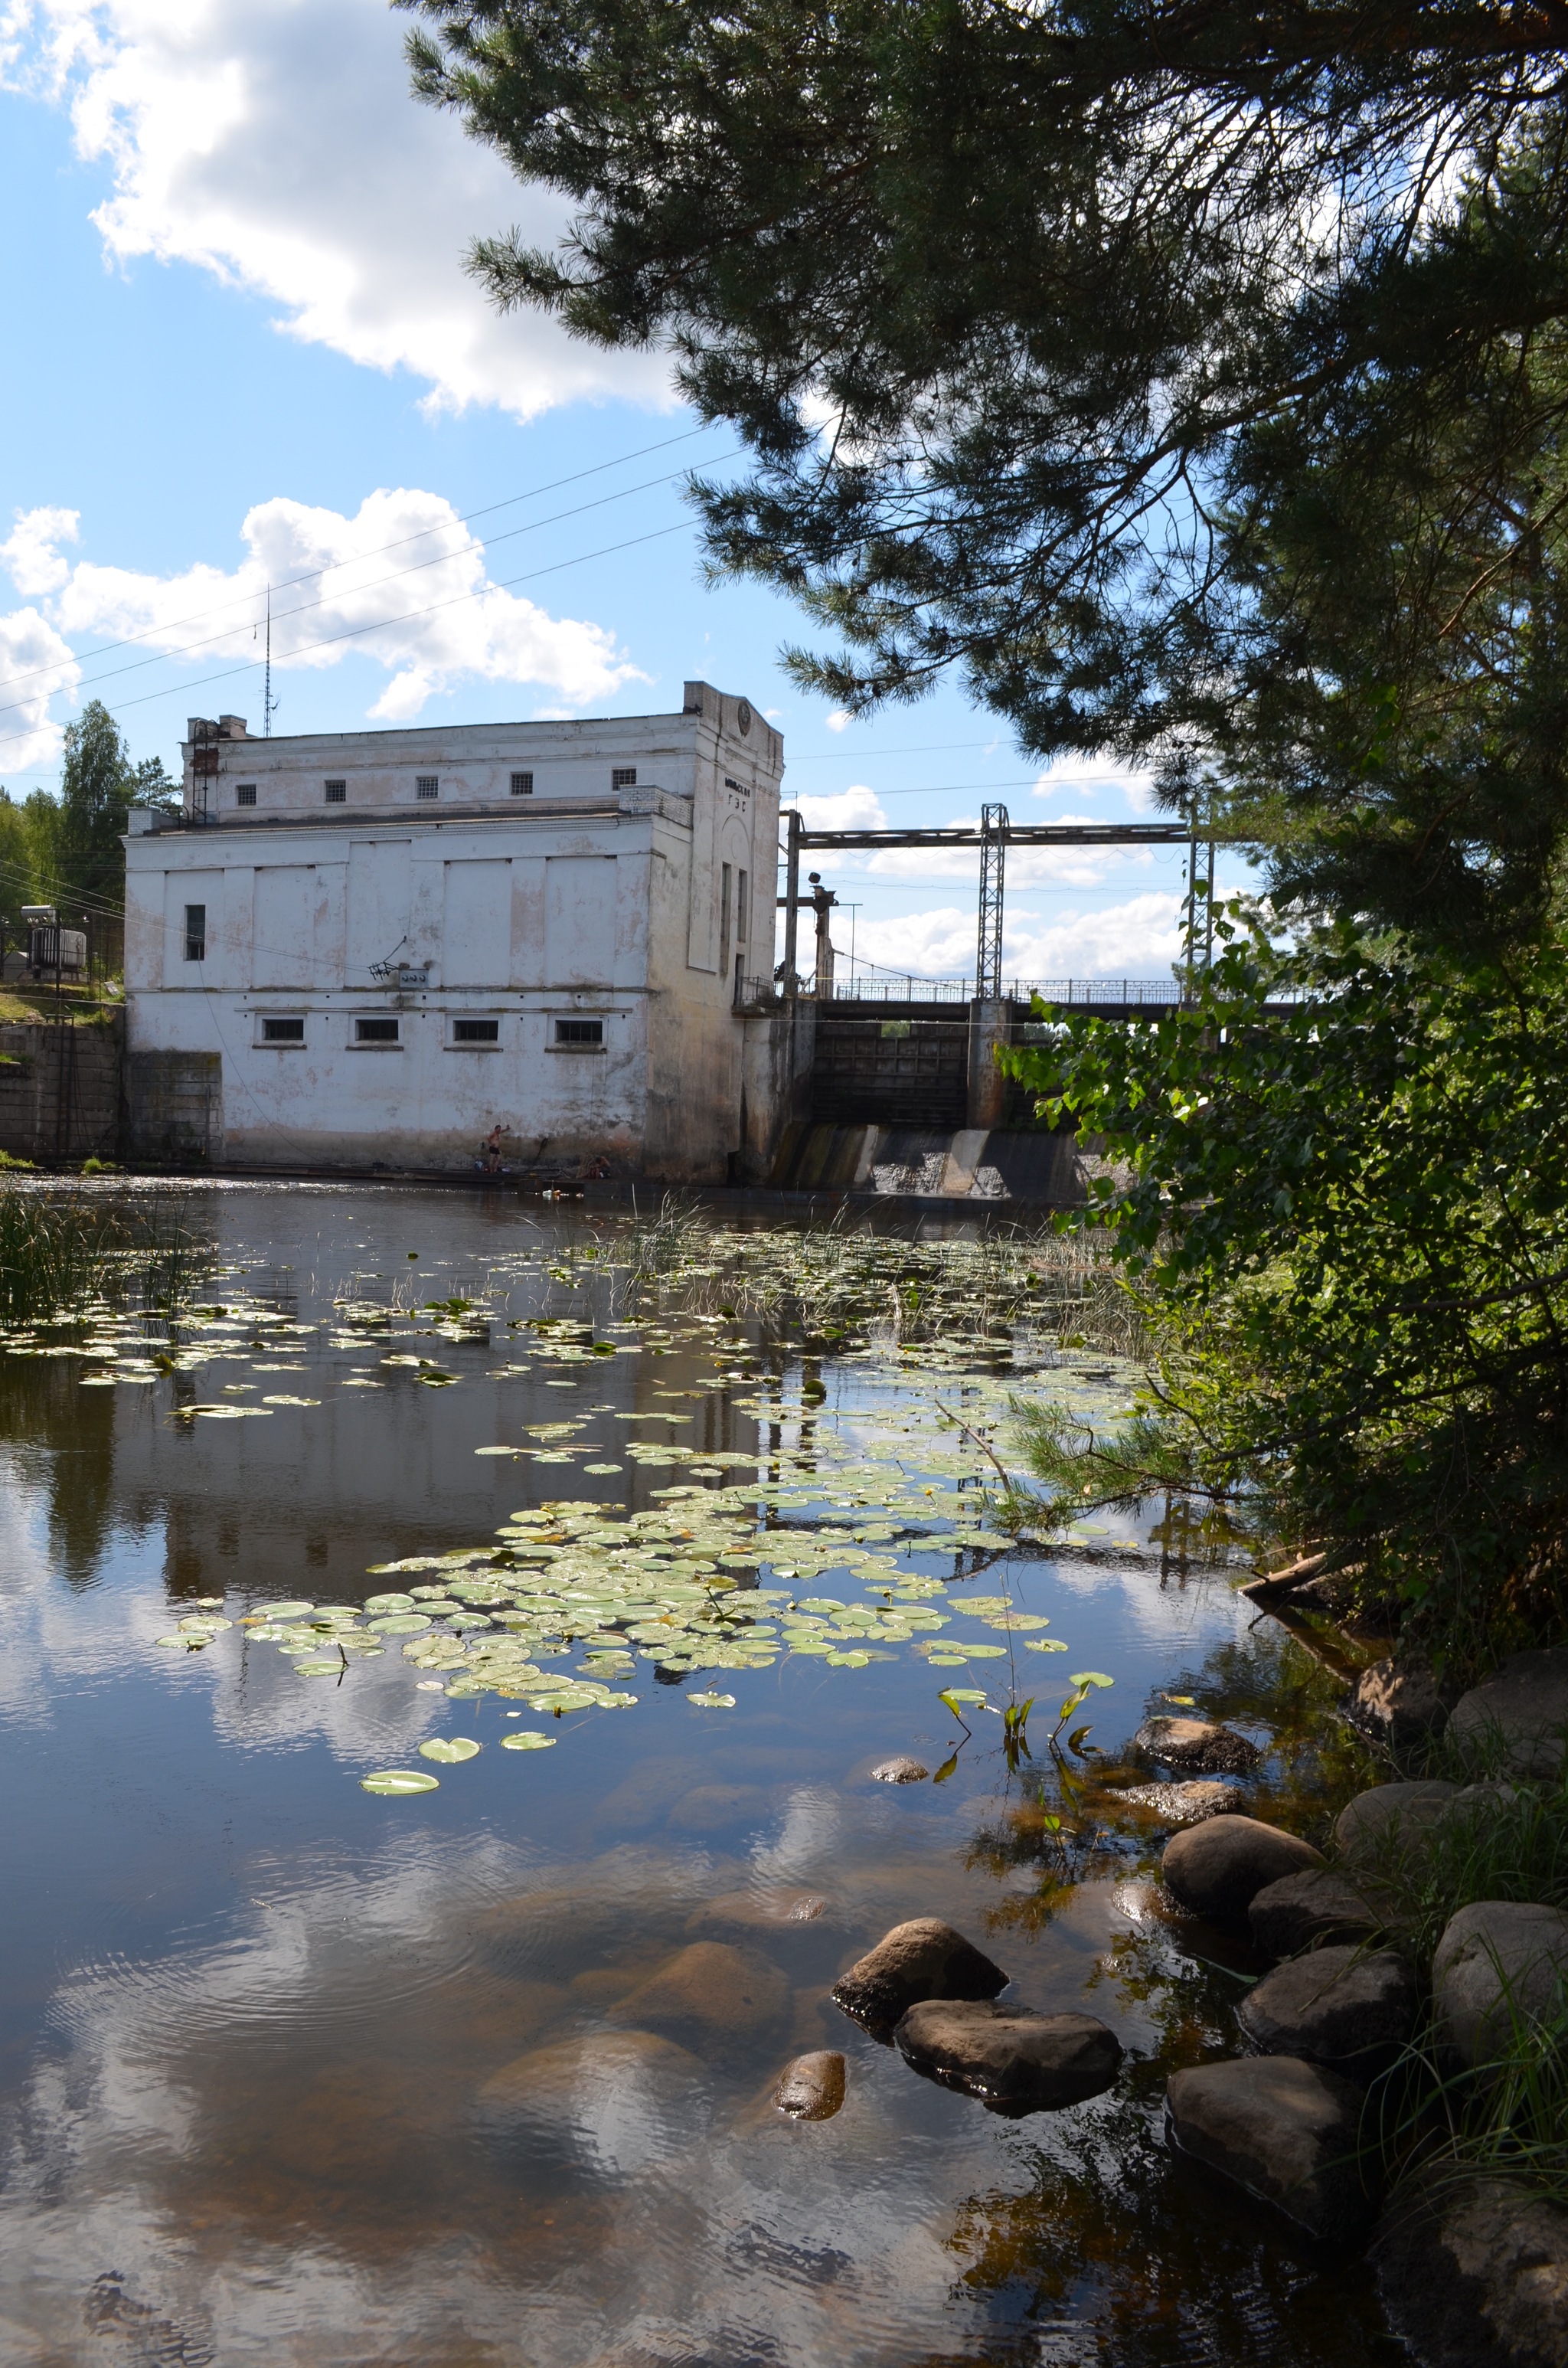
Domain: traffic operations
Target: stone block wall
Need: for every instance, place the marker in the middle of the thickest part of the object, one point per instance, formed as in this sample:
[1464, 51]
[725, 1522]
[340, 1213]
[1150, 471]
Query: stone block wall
[60, 1090]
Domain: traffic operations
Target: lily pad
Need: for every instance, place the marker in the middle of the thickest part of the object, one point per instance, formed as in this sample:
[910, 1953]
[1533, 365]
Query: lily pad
[531, 1739]
[400, 1624]
[395, 1781]
[712, 1701]
[450, 1750]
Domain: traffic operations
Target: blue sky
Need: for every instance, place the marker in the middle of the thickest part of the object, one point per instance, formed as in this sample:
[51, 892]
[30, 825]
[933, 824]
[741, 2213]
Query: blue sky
[242, 349]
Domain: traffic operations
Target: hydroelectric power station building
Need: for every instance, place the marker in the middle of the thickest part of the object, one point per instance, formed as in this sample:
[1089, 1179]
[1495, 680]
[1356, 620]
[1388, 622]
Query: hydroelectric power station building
[371, 948]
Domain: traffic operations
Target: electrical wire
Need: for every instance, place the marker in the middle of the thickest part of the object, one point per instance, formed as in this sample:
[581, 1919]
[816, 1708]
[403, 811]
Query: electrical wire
[129, 641]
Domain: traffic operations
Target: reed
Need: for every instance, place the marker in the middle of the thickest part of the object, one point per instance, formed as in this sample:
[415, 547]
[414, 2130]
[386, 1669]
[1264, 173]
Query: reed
[60, 1250]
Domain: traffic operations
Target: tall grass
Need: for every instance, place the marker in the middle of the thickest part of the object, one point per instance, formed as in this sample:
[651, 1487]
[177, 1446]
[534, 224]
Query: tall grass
[62, 1250]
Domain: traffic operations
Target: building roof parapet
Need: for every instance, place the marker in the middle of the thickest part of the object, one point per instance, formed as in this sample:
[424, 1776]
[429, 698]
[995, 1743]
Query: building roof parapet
[670, 805]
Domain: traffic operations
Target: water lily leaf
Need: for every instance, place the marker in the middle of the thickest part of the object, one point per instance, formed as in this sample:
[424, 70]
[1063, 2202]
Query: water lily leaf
[318, 1668]
[498, 1451]
[847, 1660]
[531, 1739]
[184, 1644]
[400, 1624]
[953, 1695]
[450, 1749]
[985, 1652]
[1045, 1645]
[389, 1603]
[1090, 1677]
[286, 1611]
[394, 1781]
[712, 1701]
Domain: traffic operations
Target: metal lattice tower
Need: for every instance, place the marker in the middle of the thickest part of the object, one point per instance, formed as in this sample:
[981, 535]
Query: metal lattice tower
[992, 857]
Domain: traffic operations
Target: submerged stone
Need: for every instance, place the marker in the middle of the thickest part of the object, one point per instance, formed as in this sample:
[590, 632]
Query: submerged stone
[758, 1911]
[708, 1988]
[1282, 2129]
[811, 2088]
[1014, 2060]
[1183, 1805]
[1217, 1869]
[902, 1771]
[1195, 1744]
[923, 1959]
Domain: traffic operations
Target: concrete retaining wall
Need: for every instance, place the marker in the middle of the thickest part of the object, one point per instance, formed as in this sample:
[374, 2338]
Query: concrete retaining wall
[59, 1090]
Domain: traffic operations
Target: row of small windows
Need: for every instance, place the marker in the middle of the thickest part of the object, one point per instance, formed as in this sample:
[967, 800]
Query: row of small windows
[289, 1030]
[429, 786]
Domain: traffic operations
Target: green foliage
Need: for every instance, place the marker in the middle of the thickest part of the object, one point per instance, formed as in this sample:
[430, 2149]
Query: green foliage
[1283, 513]
[99, 786]
[1349, 1215]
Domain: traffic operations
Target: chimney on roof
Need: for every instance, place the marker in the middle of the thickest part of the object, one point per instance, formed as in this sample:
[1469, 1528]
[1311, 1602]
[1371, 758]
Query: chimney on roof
[232, 727]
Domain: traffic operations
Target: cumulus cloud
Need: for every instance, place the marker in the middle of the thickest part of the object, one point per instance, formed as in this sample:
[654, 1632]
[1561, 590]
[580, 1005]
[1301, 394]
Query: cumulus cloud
[29, 554]
[1089, 776]
[35, 661]
[401, 581]
[1140, 939]
[860, 808]
[839, 719]
[278, 149]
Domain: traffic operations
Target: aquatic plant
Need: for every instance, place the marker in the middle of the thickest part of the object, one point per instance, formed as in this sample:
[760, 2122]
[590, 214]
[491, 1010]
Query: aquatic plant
[60, 1249]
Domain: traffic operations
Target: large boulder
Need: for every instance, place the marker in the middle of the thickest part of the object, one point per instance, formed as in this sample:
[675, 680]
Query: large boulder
[1475, 2275]
[923, 1959]
[1195, 1747]
[611, 2103]
[811, 2088]
[1499, 1961]
[1286, 2131]
[1014, 2060]
[1522, 1713]
[1397, 1704]
[1301, 1910]
[1349, 2008]
[1217, 1869]
[1363, 1822]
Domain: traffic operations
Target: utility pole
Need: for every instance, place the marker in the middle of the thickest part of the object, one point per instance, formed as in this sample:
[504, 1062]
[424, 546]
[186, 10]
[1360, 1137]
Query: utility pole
[266, 700]
[791, 895]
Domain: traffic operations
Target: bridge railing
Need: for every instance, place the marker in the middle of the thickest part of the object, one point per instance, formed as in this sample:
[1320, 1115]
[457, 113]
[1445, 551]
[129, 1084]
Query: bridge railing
[888, 988]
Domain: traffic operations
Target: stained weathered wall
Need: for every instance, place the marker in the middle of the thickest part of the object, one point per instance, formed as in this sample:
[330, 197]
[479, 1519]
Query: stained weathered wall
[59, 1090]
[175, 1107]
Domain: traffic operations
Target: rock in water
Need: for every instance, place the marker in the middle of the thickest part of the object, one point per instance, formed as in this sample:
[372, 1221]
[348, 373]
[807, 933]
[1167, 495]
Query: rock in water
[1014, 2060]
[708, 1990]
[902, 1771]
[1363, 1822]
[615, 2103]
[1498, 1962]
[1194, 1744]
[758, 1911]
[1526, 1706]
[1476, 2273]
[1397, 1704]
[811, 2088]
[1283, 2130]
[1302, 1909]
[1217, 1869]
[1351, 2009]
[924, 1959]
[1182, 1805]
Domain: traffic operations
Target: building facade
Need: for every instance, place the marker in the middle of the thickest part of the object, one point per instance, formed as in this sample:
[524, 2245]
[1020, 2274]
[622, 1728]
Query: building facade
[370, 949]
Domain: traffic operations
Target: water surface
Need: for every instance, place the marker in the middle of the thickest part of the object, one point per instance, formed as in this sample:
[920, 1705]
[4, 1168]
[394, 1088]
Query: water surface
[296, 2073]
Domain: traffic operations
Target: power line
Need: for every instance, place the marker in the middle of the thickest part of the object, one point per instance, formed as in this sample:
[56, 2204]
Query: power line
[163, 657]
[355, 633]
[130, 641]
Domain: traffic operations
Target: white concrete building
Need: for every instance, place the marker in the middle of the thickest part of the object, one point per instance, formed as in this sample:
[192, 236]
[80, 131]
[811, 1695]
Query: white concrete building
[370, 947]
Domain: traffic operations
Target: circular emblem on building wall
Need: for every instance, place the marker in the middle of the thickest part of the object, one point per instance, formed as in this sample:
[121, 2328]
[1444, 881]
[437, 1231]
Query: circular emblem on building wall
[743, 715]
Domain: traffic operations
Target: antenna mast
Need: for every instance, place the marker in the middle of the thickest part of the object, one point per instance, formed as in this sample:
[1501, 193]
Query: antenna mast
[267, 701]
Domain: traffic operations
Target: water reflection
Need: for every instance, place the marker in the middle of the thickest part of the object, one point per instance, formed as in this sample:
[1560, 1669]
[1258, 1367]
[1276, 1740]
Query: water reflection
[295, 2074]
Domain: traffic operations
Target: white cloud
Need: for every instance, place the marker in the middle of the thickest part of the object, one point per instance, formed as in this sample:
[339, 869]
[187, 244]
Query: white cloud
[1140, 939]
[839, 719]
[858, 808]
[34, 664]
[28, 554]
[278, 147]
[1086, 776]
[469, 626]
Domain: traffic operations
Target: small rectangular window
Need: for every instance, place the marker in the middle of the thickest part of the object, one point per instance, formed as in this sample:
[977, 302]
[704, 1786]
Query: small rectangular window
[282, 1031]
[196, 933]
[337, 793]
[245, 794]
[579, 1032]
[426, 785]
[623, 776]
[726, 876]
[476, 1032]
[522, 785]
[743, 907]
[375, 1031]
